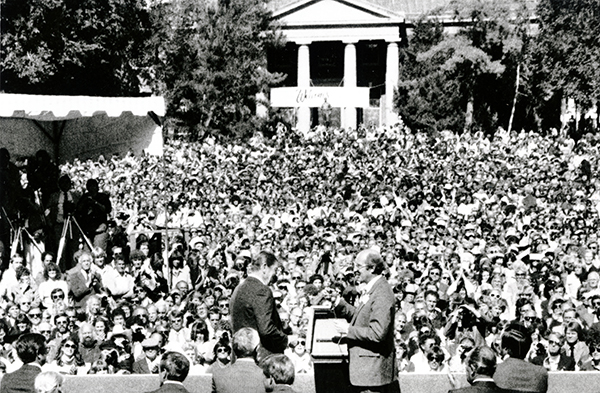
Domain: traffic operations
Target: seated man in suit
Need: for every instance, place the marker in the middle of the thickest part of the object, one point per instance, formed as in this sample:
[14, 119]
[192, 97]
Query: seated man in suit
[148, 363]
[280, 373]
[480, 367]
[174, 369]
[31, 349]
[515, 373]
[243, 375]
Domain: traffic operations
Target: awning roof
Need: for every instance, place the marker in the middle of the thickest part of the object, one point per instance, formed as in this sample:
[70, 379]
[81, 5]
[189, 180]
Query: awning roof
[51, 108]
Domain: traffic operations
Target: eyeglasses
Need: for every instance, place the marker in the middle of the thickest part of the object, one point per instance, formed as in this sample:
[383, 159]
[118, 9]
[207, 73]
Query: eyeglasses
[35, 315]
[594, 349]
[58, 297]
[224, 305]
[222, 350]
[529, 319]
[62, 322]
[45, 332]
[434, 274]
[67, 345]
[553, 342]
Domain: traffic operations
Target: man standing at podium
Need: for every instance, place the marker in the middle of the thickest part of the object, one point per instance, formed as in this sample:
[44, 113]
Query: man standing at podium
[370, 333]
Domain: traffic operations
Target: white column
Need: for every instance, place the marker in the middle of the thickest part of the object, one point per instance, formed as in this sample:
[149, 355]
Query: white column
[349, 113]
[392, 69]
[303, 122]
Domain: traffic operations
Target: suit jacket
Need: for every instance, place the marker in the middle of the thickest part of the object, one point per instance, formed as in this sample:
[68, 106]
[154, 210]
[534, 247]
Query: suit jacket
[565, 363]
[479, 387]
[521, 376]
[170, 387]
[243, 376]
[78, 287]
[371, 351]
[252, 305]
[21, 380]
[140, 366]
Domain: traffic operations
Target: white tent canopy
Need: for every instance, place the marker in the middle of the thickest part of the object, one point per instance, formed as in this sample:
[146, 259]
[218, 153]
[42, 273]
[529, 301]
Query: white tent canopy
[82, 127]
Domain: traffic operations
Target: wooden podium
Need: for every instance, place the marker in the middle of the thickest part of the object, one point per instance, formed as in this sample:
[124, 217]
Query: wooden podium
[330, 358]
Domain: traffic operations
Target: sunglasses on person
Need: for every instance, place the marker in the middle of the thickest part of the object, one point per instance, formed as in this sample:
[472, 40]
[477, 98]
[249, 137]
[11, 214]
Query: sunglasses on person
[554, 342]
[58, 297]
[62, 322]
[69, 345]
[222, 350]
[35, 315]
[529, 319]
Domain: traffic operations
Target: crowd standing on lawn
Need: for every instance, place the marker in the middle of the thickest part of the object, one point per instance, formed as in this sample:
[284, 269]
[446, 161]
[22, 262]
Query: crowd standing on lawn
[478, 232]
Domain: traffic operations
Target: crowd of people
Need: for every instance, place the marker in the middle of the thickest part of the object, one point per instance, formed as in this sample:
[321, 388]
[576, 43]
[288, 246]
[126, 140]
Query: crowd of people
[120, 259]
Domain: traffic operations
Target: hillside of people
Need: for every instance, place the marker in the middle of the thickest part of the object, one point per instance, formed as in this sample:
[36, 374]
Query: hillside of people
[477, 231]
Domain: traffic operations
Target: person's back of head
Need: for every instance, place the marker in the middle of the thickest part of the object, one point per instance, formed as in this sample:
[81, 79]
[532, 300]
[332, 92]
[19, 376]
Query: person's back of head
[175, 367]
[263, 258]
[244, 342]
[48, 381]
[279, 368]
[481, 361]
[516, 340]
[30, 346]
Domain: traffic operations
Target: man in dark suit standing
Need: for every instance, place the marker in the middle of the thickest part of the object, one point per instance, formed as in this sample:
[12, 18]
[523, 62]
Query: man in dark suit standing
[480, 367]
[31, 349]
[252, 305]
[514, 373]
[244, 375]
[370, 334]
[174, 369]
[83, 281]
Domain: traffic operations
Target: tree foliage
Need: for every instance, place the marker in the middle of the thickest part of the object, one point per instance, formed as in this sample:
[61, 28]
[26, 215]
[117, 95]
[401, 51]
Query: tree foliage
[210, 62]
[73, 47]
[565, 60]
[464, 80]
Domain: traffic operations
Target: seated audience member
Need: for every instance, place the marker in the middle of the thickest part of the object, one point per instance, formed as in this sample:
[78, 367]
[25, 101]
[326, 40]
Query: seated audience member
[243, 371]
[48, 382]
[173, 370]
[480, 367]
[150, 360]
[557, 359]
[31, 350]
[280, 374]
[514, 373]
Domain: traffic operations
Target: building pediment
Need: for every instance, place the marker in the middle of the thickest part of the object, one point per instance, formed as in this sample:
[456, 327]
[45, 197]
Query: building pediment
[334, 12]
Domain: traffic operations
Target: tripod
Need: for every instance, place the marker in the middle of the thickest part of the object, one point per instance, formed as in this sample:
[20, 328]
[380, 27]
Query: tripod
[68, 230]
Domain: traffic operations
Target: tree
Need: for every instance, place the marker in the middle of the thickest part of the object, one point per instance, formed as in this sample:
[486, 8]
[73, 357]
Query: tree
[565, 60]
[210, 62]
[73, 47]
[466, 80]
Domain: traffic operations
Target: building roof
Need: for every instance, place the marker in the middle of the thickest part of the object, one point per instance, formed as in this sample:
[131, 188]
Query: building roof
[411, 9]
